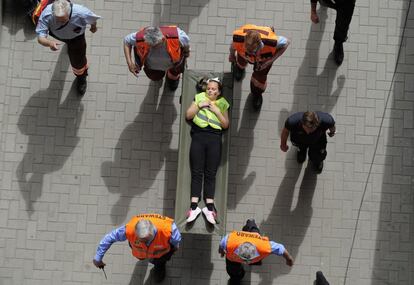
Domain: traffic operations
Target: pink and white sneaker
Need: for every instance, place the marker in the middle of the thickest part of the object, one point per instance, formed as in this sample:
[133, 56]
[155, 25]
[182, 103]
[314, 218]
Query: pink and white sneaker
[193, 214]
[210, 215]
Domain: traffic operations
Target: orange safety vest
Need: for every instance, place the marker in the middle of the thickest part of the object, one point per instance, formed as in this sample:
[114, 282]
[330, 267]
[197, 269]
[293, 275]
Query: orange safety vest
[268, 37]
[159, 246]
[236, 238]
[172, 42]
[39, 9]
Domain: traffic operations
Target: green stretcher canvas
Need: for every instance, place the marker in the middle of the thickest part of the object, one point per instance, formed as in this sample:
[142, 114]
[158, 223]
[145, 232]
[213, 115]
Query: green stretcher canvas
[182, 201]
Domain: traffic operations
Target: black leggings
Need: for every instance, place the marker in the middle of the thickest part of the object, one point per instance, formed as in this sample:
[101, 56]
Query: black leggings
[205, 155]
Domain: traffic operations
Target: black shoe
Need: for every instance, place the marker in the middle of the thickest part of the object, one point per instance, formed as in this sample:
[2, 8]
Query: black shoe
[238, 73]
[81, 84]
[319, 167]
[301, 156]
[159, 273]
[320, 279]
[257, 101]
[338, 53]
[172, 84]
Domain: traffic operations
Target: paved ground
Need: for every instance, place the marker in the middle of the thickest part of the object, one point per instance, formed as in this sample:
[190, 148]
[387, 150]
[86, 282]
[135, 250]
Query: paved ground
[72, 170]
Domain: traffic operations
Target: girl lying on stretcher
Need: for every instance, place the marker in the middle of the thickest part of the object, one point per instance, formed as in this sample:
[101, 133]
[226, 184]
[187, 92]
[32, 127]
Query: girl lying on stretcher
[209, 115]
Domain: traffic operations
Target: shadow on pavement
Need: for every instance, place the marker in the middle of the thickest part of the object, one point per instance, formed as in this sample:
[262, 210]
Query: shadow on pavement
[52, 129]
[142, 150]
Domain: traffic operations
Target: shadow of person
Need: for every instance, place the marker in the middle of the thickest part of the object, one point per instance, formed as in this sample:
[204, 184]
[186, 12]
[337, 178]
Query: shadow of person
[313, 91]
[197, 249]
[52, 130]
[16, 17]
[141, 151]
[288, 226]
[242, 141]
[138, 275]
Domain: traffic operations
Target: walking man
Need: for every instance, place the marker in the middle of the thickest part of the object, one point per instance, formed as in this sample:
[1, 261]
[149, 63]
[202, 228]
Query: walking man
[67, 22]
[308, 131]
[248, 247]
[150, 236]
[259, 46]
[159, 51]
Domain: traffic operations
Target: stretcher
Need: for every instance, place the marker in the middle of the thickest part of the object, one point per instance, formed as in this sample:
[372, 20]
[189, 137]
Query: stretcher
[182, 198]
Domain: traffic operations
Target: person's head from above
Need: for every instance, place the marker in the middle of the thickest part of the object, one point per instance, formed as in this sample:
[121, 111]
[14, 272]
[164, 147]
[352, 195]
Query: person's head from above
[214, 88]
[61, 11]
[144, 230]
[252, 42]
[310, 121]
[247, 251]
[153, 36]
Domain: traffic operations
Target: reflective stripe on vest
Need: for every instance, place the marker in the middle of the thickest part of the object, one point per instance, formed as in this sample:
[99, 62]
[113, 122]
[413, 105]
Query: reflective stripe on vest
[159, 246]
[236, 238]
[268, 37]
[209, 121]
[172, 44]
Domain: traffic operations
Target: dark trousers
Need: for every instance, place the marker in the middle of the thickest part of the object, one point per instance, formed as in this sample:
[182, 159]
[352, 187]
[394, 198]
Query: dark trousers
[317, 152]
[77, 54]
[173, 73]
[258, 81]
[205, 156]
[234, 269]
[344, 11]
[160, 262]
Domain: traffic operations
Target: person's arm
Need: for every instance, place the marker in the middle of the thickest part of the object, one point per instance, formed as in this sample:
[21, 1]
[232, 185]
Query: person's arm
[330, 122]
[223, 117]
[283, 140]
[129, 42]
[44, 41]
[175, 236]
[184, 42]
[114, 236]
[314, 15]
[282, 45]
[288, 258]
[280, 250]
[332, 131]
[42, 31]
[223, 246]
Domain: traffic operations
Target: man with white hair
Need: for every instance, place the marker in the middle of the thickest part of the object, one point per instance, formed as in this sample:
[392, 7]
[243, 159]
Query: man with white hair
[66, 22]
[248, 247]
[150, 236]
[160, 51]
